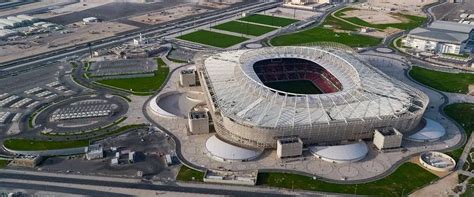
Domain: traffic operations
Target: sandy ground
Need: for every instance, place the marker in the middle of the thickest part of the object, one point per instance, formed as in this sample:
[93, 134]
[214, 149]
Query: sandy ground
[168, 14]
[373, 16]
[292, 13]
[80, 34]
[442, 187]
[31, 6]
[405, 6]
[217, 4]
[76, 7]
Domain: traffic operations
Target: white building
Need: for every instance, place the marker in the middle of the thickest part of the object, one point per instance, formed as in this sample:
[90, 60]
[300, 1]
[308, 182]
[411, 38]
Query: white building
[29, 18]
[289, 147]
[187, 78]
[439, 37]
[387, 138]
[198, 122]
[5, 33]
[10, 22]
[90, 20]
[94, 152]
[5, 26]
[23, 22]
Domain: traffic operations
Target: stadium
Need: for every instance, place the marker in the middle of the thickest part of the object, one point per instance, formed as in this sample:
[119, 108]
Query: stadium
[259, 96]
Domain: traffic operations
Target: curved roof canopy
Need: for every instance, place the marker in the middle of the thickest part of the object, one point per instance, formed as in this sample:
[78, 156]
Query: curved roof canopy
[226, 151]
[431, 132]
[341, 153]
[366, 94]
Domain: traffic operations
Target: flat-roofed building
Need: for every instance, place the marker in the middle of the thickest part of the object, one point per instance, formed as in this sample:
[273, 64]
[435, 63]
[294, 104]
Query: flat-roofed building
[94, 152]
[5, 26]
[289, 147]
[27, 161]
[29, 18]
[439, 37]
[10, 22]
[23, 22]
[198, 122]
[187, 78]
[387, 138]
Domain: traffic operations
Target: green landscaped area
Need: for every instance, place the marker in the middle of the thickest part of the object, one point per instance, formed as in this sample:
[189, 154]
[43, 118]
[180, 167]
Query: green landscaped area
[36, 145]
[463, 114]
[3, 163]
[140, 85]
[269, 20]
[244, 28]
[410, 21]
[406, 179]
[469, 189]
[212, 38]
[319, 34]
[32, 145]
[448, 82]
[295, 86]
[338, 24]
[186, 174]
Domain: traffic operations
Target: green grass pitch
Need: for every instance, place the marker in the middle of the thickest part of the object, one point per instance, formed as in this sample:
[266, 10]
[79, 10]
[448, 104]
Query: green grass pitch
[244, 28]
[212, 38]
[269, 20]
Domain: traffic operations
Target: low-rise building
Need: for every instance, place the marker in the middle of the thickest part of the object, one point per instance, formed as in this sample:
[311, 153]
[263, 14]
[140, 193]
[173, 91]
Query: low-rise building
[90, 20]
[289, 147]
[26, 161]
[94, 152]
[187, 78]
[440, 37]
[10, 22]
[387, 138]
[198, 122]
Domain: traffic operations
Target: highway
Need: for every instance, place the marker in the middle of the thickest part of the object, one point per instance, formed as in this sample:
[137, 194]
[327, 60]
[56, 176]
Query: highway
[158, 31]
[96, 181]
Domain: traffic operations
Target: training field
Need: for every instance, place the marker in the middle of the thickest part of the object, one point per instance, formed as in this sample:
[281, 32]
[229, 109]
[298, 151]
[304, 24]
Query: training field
[296, 86]
[244, 28]
[140, 85]
[318, 34]
[212, 38]
[269, 20]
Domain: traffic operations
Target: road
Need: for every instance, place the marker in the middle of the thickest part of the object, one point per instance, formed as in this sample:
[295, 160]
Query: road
[6, 175]
[158, 31]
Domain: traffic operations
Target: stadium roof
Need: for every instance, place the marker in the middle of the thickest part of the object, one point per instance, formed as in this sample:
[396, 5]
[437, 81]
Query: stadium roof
[226, 151]
[367, 93]
[341, 153]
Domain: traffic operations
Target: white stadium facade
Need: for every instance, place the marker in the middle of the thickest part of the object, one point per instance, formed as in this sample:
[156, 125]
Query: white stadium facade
[323, 97]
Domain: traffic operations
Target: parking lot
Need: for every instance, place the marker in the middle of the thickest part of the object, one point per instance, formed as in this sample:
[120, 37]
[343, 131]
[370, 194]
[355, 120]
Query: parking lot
[122, 67]
[149, 147]
[22, 93]
[82, 114]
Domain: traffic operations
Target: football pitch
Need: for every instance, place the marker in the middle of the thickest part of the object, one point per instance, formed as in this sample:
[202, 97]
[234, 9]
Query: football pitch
[269, 20]
[244, 28]
[295, 86]
[212, 38]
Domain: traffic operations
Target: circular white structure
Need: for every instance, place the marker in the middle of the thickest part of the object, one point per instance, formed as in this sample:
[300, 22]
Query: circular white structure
[437, 161]
[341, 153]
[432, 131]
[175, 104]
[224, 151]
[353, 99]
